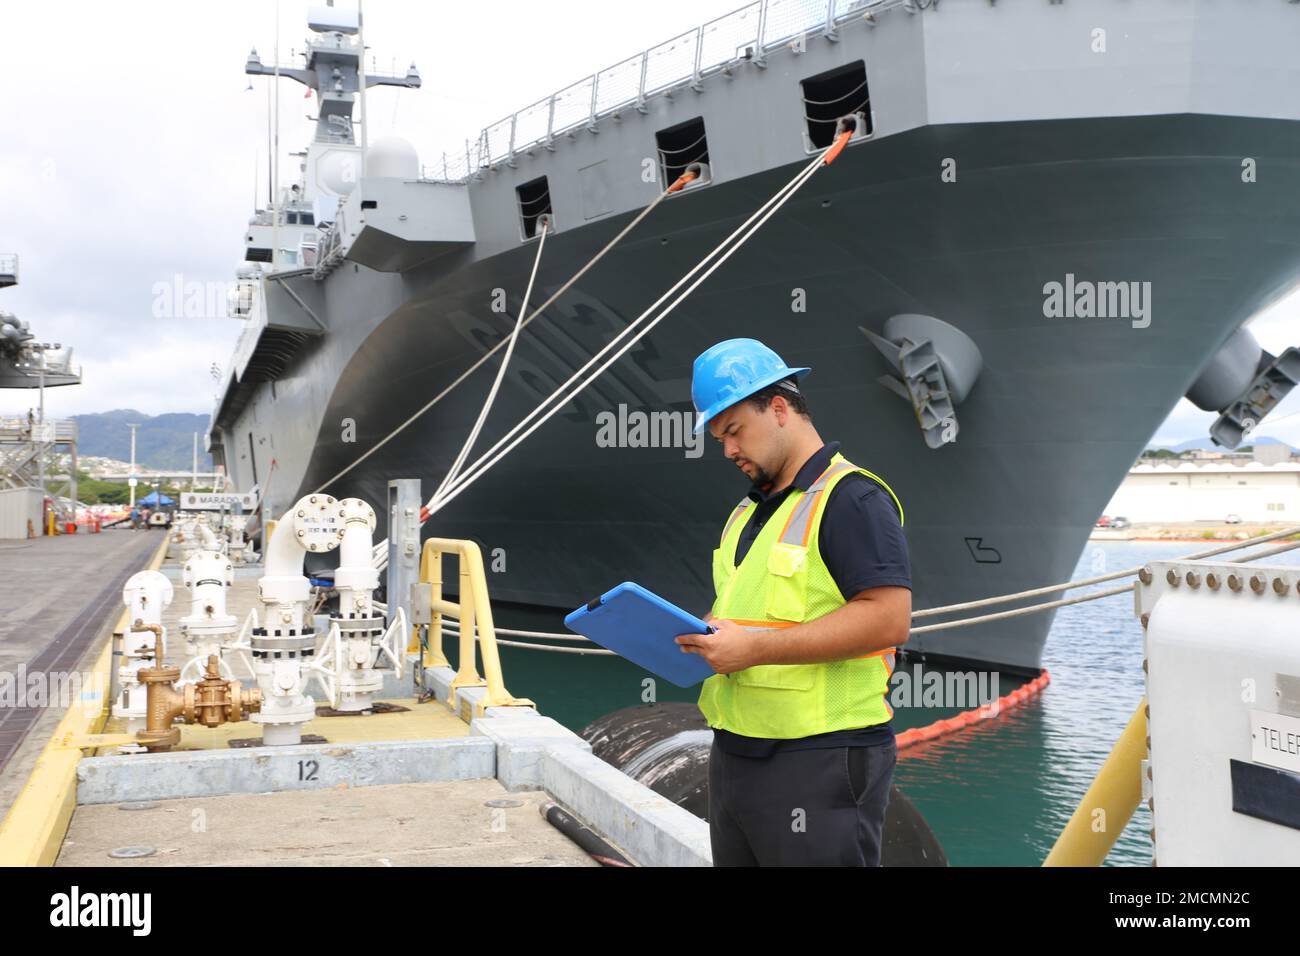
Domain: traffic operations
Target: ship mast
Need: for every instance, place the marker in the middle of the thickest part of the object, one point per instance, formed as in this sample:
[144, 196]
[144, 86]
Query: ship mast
[335, 70]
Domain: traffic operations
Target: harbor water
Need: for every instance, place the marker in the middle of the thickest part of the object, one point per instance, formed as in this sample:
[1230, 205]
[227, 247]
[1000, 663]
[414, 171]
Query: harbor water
[997, 793]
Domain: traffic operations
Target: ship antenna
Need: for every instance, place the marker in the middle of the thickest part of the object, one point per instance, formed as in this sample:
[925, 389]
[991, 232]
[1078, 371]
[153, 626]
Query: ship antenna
[275, 157]
[361, 85]
[270, 151]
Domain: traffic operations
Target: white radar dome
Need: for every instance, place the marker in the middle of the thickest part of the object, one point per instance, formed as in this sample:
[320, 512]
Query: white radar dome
[392, 157]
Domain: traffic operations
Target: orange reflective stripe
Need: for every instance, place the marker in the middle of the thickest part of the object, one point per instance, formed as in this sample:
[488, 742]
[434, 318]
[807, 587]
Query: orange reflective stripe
[770, 624]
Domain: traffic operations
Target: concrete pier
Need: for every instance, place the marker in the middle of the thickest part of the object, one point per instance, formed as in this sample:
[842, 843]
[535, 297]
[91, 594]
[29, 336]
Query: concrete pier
[59, 598]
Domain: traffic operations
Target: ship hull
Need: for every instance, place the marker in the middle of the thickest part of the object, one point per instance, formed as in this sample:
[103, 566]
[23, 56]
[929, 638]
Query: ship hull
[1063, 406]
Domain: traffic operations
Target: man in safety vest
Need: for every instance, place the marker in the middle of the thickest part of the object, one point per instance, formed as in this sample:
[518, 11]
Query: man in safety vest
[813, 597]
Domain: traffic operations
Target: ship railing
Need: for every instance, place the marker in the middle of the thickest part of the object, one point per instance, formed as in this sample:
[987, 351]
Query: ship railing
[744, 35]
[9, 268]
[474, 615]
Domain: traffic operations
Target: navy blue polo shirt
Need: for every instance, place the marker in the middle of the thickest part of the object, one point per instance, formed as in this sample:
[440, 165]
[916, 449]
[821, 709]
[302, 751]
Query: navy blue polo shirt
[862, 543]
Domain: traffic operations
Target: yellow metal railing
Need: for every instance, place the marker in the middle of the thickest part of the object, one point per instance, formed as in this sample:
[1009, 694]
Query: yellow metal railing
[1109, 803]
[474, 612]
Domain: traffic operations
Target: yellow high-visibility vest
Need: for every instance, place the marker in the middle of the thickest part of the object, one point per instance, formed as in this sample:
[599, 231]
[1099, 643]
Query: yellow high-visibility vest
[783, 581]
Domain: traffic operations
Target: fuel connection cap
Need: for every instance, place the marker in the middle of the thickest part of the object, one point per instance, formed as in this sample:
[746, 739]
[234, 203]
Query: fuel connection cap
[318, 522]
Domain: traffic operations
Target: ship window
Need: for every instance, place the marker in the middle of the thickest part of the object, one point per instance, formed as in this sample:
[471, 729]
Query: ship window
[679, 147]
[830, 96]
[309, 219]
[369, 204]
[293, 219]
[534, 202]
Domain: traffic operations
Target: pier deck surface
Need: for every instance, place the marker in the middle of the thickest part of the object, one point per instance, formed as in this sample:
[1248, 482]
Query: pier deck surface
[59, 596]
[418, 824]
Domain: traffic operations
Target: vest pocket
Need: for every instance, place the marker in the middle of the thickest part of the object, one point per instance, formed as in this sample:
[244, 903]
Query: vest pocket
[778, 676]
[787, 582]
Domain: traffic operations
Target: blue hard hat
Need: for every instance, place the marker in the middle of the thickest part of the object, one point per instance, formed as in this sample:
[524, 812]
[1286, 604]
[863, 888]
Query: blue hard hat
[733, 370]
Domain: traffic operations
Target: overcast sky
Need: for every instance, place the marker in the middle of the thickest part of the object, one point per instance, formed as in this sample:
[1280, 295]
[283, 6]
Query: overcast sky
[130, 137]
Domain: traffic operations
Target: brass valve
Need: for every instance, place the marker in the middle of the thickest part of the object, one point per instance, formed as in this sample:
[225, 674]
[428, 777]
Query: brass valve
[212, 701]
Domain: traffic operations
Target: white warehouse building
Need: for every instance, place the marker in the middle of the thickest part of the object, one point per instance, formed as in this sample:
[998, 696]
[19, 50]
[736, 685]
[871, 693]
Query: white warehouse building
[1209, 491]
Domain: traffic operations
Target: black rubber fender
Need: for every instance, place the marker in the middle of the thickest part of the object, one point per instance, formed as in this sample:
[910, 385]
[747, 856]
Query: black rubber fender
[666, 748]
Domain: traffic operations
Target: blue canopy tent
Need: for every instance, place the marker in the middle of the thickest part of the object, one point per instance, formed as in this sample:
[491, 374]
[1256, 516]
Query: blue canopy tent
[153, 499]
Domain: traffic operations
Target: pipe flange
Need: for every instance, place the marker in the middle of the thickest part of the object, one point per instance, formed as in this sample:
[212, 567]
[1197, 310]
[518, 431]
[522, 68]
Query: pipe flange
[318, 523]
[153, 740]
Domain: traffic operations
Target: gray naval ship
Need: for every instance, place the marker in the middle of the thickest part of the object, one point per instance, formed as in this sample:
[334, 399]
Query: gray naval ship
[1053, 221]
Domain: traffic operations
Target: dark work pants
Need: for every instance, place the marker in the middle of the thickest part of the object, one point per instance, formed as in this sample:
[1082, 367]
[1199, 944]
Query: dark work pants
[823, 807]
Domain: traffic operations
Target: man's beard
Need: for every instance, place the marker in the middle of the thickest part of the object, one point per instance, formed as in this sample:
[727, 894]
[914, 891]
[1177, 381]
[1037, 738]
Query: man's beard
[761, 478]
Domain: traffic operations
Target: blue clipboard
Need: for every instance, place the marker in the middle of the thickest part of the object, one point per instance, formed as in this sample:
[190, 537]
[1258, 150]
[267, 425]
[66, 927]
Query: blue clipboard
[640, 626]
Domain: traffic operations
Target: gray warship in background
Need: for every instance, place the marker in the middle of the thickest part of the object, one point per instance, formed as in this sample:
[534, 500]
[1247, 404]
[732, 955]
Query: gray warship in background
[1054, 220]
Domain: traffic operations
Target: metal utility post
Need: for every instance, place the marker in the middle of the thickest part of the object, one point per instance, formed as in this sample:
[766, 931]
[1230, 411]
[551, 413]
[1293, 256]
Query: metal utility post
[403, 542]
[131, 480]
[40, 434]
[194, 471]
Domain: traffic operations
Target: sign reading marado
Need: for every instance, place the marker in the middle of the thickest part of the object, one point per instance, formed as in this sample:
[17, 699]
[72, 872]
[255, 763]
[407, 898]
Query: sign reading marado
[200, 501]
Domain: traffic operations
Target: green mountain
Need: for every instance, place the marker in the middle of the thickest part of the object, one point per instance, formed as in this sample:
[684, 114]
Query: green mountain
[161, 441]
